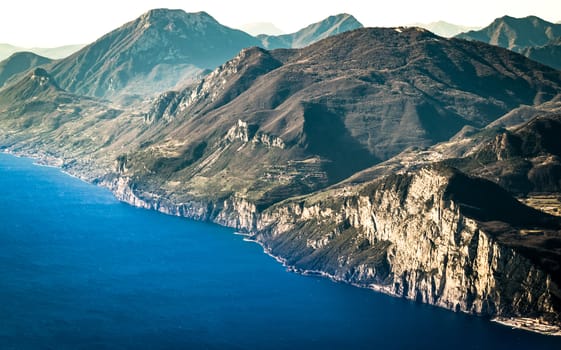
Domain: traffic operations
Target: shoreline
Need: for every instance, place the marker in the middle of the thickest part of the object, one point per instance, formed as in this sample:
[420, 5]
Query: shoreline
[534, 325]
[529, 324]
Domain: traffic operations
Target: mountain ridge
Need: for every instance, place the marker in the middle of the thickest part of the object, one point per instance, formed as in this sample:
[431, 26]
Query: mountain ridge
[152, 53]
[444, 28]
[548, 54]
[516, 33]
[301, 98]
[331, 25]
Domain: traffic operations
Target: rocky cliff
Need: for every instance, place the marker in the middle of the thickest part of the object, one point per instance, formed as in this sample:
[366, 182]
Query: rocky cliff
[410, 235]
[416, 235]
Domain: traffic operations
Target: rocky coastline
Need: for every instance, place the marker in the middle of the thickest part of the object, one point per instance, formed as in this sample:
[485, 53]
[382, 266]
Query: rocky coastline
[396, 244]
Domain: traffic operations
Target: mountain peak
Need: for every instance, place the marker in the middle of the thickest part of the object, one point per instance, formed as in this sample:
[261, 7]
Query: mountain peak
[330, 26]
[175, 20]
[343, 20]
[516, 34]
[164, 14]
[342, 15]
[151, 54]
[520, 20]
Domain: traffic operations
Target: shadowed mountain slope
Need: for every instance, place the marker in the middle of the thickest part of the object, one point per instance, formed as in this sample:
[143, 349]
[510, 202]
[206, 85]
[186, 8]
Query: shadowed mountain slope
[522, 159]
[317, 115]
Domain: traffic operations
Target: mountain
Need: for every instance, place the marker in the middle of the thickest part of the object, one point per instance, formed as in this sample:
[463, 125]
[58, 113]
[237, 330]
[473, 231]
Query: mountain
[151, 54]
[37, 84]
[524, 159]
[444, 29]
[433, 235]
[332, 25]
[40, 119]
[317, 115]
[313, 116]
[532, 36]
[18, 63]
[549, 54]
[261, 28]
[516, 33]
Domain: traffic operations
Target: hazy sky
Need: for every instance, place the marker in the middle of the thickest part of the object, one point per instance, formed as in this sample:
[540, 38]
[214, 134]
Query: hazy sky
[58, 22]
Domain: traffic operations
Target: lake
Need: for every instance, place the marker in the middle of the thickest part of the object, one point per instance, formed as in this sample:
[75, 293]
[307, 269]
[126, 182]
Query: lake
[80, 270]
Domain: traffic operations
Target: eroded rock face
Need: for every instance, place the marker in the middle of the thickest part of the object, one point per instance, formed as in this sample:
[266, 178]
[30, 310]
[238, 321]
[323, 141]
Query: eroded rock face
[402, 235]
[406, 239]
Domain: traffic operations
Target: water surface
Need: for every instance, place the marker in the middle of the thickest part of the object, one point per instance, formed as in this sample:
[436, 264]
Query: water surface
[79, 270]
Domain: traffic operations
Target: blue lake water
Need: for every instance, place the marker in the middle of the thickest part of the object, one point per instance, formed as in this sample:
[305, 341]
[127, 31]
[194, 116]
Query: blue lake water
[79, 270]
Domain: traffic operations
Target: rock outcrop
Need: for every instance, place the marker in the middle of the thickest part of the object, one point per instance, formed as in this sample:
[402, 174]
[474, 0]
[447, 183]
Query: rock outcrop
[407, 236]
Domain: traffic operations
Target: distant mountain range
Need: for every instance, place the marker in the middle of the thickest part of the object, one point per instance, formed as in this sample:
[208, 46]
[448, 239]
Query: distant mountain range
[166, 48]
[307, 106]
[261, 28]
[532, 36]
[388, 158]
[7, 50]
[332, 25]
[445, 29]
[516, 34]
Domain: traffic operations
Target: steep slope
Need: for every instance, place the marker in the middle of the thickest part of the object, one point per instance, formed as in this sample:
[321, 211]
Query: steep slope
[524, 159]
[40, 119]
[317, 115]
[330, 26]
[18, 63]
[516, 33]
[549, 54]
[150, 54]
[433, 235]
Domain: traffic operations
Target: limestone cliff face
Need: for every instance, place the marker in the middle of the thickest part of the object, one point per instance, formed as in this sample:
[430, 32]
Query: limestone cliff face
[402, 236]
[232, 212]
